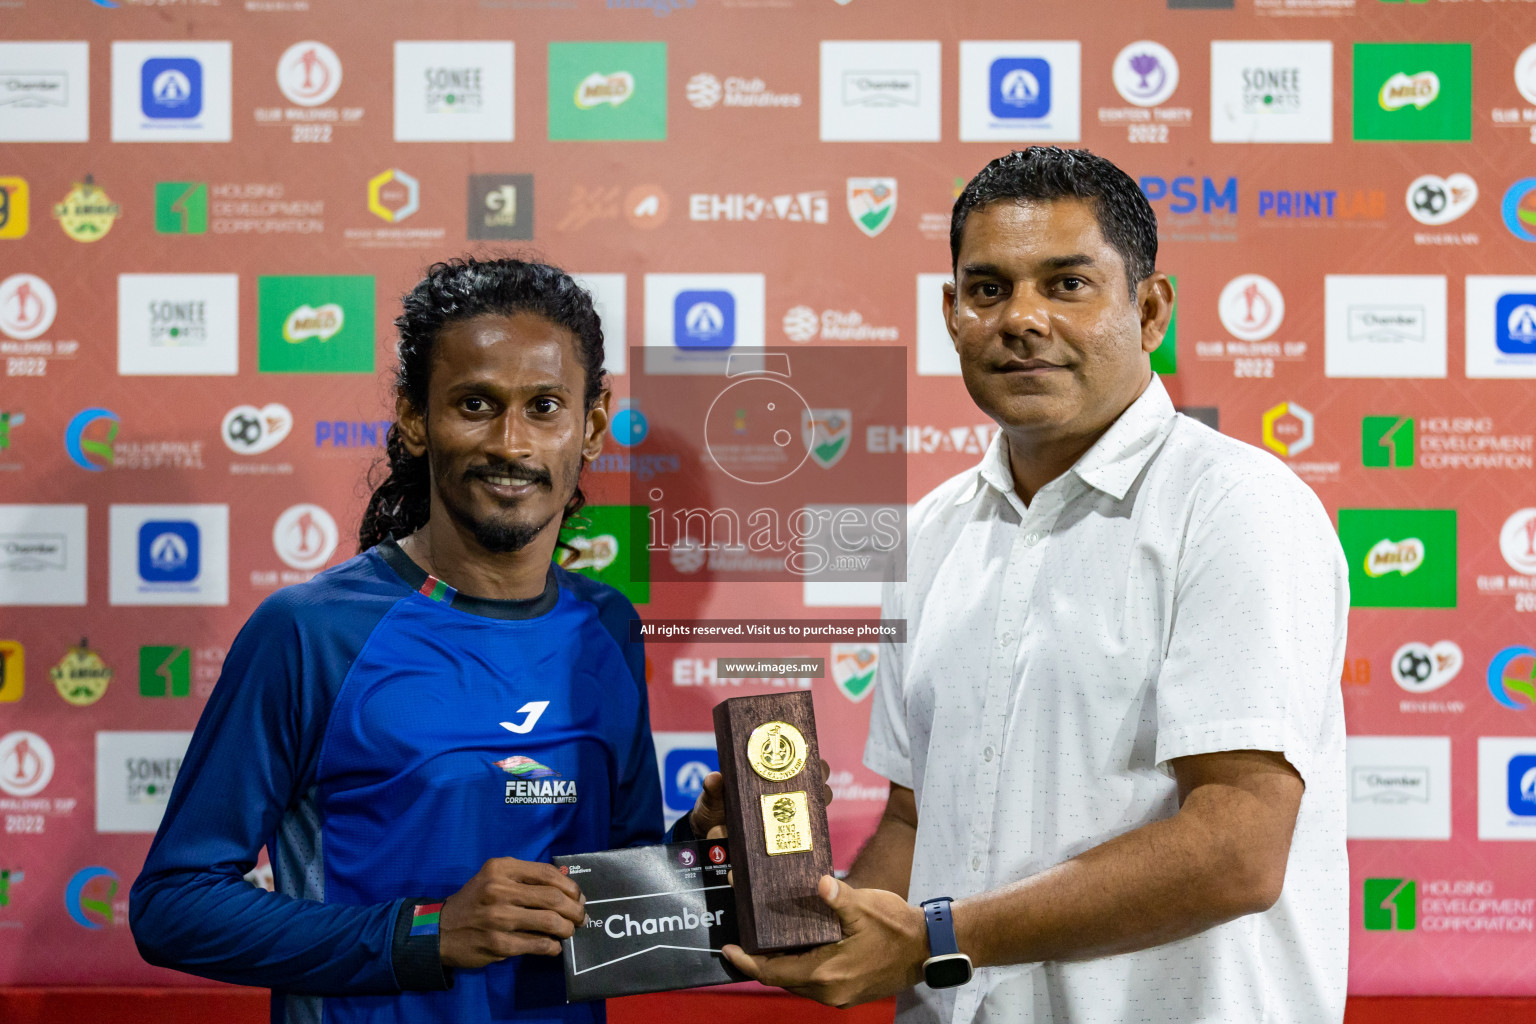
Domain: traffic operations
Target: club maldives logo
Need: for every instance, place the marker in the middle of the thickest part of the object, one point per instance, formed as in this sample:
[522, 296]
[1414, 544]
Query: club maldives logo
[1400, 558]
[27, 306]
[26, 763]
[309, 73]
[535, 783]
[88, 897]
[89, 436]
[1512, 677]
[1251, 307]
[871, 203]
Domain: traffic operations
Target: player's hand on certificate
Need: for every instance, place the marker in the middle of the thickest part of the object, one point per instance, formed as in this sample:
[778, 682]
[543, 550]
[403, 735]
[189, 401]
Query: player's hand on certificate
[884, 944]
[510, 908]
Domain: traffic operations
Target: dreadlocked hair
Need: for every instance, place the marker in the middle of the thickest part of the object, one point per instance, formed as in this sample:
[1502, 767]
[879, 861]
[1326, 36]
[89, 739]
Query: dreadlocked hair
[453, 291]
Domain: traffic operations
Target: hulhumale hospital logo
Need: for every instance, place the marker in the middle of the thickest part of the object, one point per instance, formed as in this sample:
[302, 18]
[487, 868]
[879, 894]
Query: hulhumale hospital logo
[88, 897]
[88, 438]
[1512, 677]
[1519, 209]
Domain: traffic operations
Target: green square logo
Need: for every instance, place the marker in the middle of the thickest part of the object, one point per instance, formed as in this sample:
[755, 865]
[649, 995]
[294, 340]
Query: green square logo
[1391, 904]
[320, 324]
[181, 207]
[1386, 441]
[607, 91]
[608, 543]
[165, 672]
[1165, 358]
[1400, 557]
[1413, 92]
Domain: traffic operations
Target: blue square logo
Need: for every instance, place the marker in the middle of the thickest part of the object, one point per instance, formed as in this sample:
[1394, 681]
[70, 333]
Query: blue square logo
[1514, 324]
[683, 772]
[169, 551]
[1522, 785]
[704, 319]
[1020, 88]
[171, 88]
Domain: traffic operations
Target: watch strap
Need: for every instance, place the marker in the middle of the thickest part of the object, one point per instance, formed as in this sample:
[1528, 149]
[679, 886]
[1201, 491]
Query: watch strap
[941, 926]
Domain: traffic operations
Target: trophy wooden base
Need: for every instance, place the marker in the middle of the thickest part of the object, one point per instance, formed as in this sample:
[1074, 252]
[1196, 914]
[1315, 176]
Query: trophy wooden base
[779, 843]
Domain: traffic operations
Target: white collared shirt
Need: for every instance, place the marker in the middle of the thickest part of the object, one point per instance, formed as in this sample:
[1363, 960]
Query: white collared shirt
[1176, 592]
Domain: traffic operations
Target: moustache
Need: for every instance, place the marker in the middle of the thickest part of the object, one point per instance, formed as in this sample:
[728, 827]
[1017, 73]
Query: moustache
[520, 473]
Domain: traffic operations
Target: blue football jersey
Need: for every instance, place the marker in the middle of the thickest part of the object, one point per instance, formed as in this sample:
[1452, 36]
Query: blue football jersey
[383, 736]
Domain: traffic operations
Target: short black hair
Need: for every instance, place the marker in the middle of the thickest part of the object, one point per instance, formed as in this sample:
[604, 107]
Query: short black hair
[1049, 173]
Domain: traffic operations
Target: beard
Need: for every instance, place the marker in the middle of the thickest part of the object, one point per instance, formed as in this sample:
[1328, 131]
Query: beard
[511, 529]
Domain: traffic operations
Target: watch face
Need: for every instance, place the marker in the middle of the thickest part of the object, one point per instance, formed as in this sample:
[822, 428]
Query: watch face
[947, 971]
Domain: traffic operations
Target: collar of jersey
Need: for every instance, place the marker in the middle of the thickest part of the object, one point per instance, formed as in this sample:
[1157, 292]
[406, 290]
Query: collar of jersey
[492, 608]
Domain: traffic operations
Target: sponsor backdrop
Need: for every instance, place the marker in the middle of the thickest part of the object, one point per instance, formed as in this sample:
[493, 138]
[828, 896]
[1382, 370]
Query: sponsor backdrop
[209, 210]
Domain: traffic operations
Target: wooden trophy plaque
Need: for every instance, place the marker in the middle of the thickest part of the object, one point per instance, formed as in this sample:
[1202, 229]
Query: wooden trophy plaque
[777, 820]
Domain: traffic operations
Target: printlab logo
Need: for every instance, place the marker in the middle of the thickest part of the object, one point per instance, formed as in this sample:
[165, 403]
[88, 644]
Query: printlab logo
[89, 436]
[1420, 668]
[1251, 307]
[1413, 92]
[500, 206]
[872, 203]
[309, 73]
[181, 207]
[165, 671]
[319, 324]
[1517, 541]
[88, 897]
[247, 430]
[1512, 677]
[26, 763]
[27, 306]
[1400, 558]
[1288, 429]
[1435, 200]
[607, 91]
[1390, 904]
[1386, 441]
[393, 195]
[1519, 209]
[15, 207]
[305, 537]
[1146, 73]
[704, 319]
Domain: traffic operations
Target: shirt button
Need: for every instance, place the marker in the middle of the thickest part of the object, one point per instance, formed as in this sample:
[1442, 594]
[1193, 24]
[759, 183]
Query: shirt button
[1032, 538]
[986, 755]
[975, 863]
[1005, 640]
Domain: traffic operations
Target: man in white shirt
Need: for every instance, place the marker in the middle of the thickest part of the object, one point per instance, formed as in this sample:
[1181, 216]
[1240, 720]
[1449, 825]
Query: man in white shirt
[1114, 736]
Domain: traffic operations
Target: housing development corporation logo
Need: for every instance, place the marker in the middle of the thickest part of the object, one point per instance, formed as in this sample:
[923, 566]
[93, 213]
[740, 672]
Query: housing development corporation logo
[1390, 904]
[1400, 558]
[1413, 92]
[603, 91]
[181, 207]
[1386, 441]
[1512, 677]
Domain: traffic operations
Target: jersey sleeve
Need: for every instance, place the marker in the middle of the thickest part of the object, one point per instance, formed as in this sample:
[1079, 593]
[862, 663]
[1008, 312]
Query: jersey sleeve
[251, 758]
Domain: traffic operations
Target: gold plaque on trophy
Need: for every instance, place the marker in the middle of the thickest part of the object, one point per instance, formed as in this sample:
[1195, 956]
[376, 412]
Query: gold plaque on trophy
[786, 823]
[776, 751]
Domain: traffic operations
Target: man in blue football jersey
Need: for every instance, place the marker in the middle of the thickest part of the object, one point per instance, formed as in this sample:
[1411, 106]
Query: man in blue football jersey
[414, 733]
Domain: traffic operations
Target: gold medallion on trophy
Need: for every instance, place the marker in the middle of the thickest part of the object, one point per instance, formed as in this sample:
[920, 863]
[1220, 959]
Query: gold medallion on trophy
[776, 751]
[786, 823]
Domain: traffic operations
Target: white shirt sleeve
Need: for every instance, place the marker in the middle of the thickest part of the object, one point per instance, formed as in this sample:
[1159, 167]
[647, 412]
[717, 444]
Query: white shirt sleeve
[888, 750]
[1257, 639]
